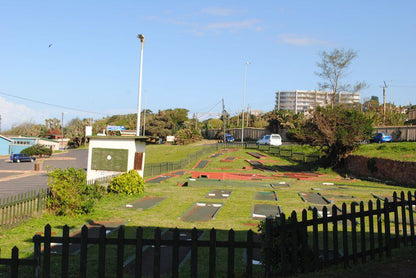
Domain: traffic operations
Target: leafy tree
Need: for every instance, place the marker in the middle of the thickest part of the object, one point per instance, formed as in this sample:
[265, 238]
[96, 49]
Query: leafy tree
[333, 68]
[337, 131]
[27, 128]
[38, 149]
[282, 119]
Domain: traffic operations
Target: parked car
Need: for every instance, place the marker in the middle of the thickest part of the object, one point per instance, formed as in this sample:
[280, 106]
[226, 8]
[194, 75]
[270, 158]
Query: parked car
[270, 139]
[21, 157]
[229, 138]
[381, 137]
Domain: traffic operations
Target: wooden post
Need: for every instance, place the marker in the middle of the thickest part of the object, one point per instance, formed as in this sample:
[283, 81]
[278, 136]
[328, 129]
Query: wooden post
[212, 253]
[83, 255]
[362, 232]
[354, 234]
[335, 232]
[230, 268]
[249, 251]
[387, 228]
[345, 235]
[156, 253]
[175, 253]
[194, 253]
[139, 252]
[47, 252]
[371, 228]
[65, 252]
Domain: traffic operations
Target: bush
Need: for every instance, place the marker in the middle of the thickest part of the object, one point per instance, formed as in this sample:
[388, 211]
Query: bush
[38, 150]
[69, 192]
[129, 183]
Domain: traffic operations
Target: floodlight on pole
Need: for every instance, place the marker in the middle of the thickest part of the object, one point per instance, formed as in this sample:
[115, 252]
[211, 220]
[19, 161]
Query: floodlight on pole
[141, 38]
[244, 100]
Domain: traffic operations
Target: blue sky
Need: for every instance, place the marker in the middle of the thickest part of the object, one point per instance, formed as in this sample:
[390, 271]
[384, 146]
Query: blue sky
[82, 57]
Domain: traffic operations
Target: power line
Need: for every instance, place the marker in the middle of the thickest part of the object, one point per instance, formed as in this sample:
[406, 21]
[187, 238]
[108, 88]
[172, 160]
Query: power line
[50, 104]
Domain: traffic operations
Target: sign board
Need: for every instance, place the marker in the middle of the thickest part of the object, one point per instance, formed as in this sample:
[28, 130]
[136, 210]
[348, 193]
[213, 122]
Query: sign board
[116, 127]
[170, 138]
[88, 130]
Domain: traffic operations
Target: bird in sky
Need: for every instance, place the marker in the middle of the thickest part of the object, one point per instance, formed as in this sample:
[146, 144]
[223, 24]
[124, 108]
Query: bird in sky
[50, 45]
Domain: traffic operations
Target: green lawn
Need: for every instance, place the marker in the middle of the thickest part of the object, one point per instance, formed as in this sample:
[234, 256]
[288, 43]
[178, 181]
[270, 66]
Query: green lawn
[235, 212]
[402, 151]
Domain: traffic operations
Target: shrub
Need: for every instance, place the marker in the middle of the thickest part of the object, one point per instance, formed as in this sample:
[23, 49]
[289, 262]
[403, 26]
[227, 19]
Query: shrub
[69, 192]
[129, 183]
[38, 149]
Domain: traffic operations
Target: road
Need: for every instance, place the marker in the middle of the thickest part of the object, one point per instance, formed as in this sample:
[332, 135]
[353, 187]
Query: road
[16, 178]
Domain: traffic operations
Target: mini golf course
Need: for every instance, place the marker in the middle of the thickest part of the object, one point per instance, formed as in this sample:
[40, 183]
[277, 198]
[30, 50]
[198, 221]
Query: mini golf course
[201, 212]
[201, 164]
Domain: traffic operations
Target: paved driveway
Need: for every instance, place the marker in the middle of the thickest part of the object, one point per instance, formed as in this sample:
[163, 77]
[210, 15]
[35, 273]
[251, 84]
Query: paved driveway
[18, 178]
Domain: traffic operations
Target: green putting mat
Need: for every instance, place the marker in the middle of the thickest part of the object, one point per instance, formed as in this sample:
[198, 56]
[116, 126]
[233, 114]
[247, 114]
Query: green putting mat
[261, 211]
[266, 196]
[146, 202]
[201, 212]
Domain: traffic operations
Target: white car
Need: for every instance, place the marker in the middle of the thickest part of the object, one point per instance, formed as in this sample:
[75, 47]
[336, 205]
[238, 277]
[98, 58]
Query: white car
[270, 139]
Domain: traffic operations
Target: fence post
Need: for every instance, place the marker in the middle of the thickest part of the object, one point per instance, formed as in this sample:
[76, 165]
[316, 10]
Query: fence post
[335, 232]
[139, 252]
[404, 220]
[47, 252]
[411, 219]
[396, 222]
[249, 250]
[230, 268]
[268, 247]
[194, 253]
[387, 227]
[212, 252]
[83, 255]
[371, 228]
[36, 255]
[175, 253]
[345, 234]
[101, 252]
[15, 263]
[156, 253]
[65, 251]
[362, 231]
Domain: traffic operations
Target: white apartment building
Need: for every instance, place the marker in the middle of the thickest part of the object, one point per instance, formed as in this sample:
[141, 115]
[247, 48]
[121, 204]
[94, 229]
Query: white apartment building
[302, 101]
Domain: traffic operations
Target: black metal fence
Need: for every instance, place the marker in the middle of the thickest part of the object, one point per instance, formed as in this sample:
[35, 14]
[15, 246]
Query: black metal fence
[154, 169]
[341, 236]
[14, 209]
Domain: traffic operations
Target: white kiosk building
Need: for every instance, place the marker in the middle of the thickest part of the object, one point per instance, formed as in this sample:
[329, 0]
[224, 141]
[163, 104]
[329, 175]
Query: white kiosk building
[112, 155]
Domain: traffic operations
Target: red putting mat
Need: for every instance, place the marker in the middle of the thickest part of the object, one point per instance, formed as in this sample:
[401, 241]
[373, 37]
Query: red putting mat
[228, 176]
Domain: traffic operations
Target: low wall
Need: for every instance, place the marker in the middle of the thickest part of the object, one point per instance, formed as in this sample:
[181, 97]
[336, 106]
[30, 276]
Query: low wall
[400, 172]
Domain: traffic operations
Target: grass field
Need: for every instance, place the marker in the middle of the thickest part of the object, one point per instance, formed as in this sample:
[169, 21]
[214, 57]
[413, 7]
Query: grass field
[402, 151]
[235, 212]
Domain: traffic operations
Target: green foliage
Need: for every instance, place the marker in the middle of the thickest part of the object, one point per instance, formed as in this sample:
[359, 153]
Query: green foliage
[337, 131]
[129, 183]
[38, 150]
[187, 135]
[282, 234]
[69, 192]
[402, 151]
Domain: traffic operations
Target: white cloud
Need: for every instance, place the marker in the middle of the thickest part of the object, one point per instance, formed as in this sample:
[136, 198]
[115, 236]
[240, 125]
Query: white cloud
[233, 26]
[294, 39]
[12, 114]
[215, 11]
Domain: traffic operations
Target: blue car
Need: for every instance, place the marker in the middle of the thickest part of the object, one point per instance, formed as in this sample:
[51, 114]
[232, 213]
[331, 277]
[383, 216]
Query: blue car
[382, 137]
[229, 138]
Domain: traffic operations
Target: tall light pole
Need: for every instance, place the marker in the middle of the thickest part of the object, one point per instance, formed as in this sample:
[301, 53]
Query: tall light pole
[244, 100]
[139, 103]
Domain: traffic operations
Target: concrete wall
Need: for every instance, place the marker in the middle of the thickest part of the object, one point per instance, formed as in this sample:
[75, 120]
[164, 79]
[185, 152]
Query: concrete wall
[402, 173]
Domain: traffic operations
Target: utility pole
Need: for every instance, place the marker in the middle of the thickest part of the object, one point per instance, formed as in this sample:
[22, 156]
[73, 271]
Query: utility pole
[223, 120]
[0, 123]
[384, 102]
[62, 129]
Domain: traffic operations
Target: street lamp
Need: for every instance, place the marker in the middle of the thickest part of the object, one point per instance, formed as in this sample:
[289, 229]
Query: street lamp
[141, 38]
[244, 100]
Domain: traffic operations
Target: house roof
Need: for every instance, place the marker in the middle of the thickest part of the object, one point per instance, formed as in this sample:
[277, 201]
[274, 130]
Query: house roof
[5, 138]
